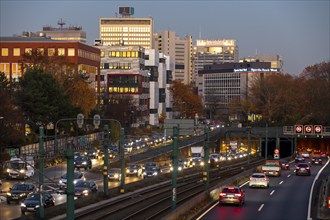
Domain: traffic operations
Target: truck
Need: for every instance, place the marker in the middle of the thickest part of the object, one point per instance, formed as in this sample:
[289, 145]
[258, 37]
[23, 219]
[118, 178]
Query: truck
[18, 168]
[272, 168]
[197, 152]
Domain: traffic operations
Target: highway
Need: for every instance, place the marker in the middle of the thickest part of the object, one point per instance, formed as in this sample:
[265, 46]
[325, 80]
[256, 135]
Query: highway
[287, 198]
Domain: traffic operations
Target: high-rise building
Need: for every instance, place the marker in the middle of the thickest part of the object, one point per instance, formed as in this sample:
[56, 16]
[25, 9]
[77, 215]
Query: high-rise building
[168, 43]
[276, 60]
[207, 52]
[127, 31]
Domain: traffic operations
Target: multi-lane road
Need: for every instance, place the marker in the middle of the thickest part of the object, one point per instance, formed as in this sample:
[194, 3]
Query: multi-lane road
[287, 198]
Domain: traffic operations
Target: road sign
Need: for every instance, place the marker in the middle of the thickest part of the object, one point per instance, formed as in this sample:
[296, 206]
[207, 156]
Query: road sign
[276, 156]
[97, 121]
[308, 129]
[318, 129]
[186, 126]
[80, 120]
[276, 151]
[299, 129]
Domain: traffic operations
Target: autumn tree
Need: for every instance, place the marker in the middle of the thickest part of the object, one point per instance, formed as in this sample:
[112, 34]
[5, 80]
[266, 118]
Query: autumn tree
[74, 85]
[41, 99]
[185, 102]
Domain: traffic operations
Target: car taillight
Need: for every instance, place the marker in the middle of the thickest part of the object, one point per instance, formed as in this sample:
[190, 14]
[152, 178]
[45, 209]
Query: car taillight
[307, 168]
[266, 179]
[238, 194]
[222, 194]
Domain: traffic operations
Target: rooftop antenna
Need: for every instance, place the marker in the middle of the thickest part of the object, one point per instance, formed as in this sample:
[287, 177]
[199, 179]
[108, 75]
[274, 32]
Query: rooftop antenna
[200, 32]
[61, 23]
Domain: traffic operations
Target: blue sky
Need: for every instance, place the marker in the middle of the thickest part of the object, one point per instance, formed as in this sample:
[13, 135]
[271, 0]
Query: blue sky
[296, 30]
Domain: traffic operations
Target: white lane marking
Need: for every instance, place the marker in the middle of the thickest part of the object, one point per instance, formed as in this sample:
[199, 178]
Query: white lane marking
[312, 188]
[207, 211]
[289, 175]
[262, 205]
[272, 192]
[281, 182]
[244, 183]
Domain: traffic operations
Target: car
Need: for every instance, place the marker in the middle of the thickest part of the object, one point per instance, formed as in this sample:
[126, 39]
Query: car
[259, 180]
[184, 162]
[303, 169]
[151, 171]
[82, 162]
[299, 159]
[91, 153]
[76, 177]
[305, 154]
[84, 188]
[317, 160]
[197, 162]
[232, 195]
[215, 157]
[285, 165]
[114, 174]
[134, 169]
[19, 191]
[149, 164]
[31, 203]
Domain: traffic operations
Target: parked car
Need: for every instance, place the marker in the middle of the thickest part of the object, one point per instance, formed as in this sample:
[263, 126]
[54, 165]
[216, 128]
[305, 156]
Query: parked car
[151, 171]
[82, 162]
[303, 169]
[84, 188]
[232, 195]
[31, 203]
[19, 191]
[259, 180]
[317, 160]
[76, 177]
[134, 169]
[114, 174]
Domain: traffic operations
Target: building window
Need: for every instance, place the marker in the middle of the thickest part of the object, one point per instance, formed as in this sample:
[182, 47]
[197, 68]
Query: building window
[28, 51]
[102, 54]
[51, 51]
[61, 51]
[41, 51]
[71, 52]
[17, 52]
[4, 52]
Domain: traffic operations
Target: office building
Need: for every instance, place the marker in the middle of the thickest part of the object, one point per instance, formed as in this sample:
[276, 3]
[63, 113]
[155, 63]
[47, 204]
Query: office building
[168, 43]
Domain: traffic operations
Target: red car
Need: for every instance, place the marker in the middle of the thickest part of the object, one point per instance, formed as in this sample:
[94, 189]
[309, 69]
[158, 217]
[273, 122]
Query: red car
[232, 195]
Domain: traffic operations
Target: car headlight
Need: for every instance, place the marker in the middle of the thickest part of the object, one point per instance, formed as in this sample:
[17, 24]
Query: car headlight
[127, 171]
[23, 205]
[85, 192]
[8, 194]
[8, 170]
[171, 168]
[155, 173]
[116, 175]
[61, 181]
[75, 181]
[144, 173]
[135, 171]
[37, 206]
[84, 162]
[179, 168]
[22, 171]
[22, 194]
[202, 163]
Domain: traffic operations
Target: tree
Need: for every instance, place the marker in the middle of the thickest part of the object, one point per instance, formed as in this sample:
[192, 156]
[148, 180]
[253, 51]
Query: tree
[41, 99]
[185, 102]
[11, 120]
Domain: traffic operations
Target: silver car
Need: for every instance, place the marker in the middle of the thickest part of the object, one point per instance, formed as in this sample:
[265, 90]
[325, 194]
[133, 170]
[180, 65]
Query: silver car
[259, 180]
[114, 174]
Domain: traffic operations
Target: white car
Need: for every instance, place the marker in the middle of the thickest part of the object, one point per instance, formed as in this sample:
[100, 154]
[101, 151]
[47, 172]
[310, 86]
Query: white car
[305, 154]
[259, 180]
[76, 177]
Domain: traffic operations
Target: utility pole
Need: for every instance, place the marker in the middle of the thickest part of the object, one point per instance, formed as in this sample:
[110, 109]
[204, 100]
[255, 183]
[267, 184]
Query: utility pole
[69, 183]
[122, 161]
[174, 164]
[41, 169]
[266, 142]
[106, 161]
[206, 174]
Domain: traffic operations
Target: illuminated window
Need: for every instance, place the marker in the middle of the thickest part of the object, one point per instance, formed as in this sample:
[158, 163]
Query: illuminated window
[4, 52]
[28, 50]
[17, 52]
[71, 52]
[113, 53]
[41, 51]
[51, 51]
[61, 51]
[117, 54]
[102, 54]
[124, 54]
[128, 53]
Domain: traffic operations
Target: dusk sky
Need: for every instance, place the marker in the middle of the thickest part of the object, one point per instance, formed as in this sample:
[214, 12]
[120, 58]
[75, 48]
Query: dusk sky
[298, 31]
